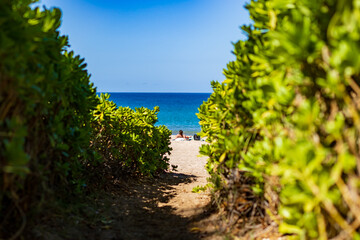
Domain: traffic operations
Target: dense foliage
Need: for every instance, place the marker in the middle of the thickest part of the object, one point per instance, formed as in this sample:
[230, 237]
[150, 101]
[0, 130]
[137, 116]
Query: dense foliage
[53, 127]
[284, 125]
[45, 97]
[128, 140]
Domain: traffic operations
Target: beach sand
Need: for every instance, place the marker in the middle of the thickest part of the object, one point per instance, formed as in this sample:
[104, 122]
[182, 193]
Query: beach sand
[185, 203]
[189, 165]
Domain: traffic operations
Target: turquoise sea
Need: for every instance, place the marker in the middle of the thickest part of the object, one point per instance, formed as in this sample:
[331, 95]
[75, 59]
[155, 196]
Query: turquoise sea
[177, 110]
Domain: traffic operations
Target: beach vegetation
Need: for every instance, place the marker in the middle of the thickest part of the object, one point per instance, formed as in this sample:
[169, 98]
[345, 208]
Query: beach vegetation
[128, 140]
[283, 126]
[54, 129]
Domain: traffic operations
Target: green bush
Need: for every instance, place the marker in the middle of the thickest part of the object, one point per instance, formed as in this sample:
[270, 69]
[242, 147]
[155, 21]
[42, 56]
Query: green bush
[45, 102]
[128, 140]
[53, 127]
[286, 119]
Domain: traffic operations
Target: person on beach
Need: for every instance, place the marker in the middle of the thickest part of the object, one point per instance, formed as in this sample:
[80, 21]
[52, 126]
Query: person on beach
[181, 135]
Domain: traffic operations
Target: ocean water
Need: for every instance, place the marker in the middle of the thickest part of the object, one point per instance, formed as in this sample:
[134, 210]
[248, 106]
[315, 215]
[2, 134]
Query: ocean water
[177, 110]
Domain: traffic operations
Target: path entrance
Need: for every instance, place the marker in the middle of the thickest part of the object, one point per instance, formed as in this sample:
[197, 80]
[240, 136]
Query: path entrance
[160, 208]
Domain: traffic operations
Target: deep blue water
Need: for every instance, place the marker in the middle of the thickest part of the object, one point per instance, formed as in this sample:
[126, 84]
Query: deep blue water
[177, 110]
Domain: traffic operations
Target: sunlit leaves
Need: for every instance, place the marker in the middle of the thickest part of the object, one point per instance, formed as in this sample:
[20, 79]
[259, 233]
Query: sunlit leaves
[128, 139]
[289, 107]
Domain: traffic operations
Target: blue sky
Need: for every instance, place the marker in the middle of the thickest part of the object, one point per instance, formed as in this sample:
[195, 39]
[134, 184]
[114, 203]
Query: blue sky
[153, 45]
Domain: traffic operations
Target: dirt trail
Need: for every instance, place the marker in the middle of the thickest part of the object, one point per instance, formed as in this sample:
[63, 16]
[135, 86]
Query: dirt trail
[161, 208]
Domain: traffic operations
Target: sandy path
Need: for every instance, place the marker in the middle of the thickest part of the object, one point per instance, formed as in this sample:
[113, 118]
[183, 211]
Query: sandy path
[185, 155]
[158, 208]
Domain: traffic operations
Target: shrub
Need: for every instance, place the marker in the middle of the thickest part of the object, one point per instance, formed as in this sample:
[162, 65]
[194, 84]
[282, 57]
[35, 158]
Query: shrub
[53, 127]
[128, 140]
[45, 102]
[285, 120]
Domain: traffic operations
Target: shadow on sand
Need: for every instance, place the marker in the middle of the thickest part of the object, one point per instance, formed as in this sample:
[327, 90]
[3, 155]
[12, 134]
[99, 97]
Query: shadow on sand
[128, 210]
